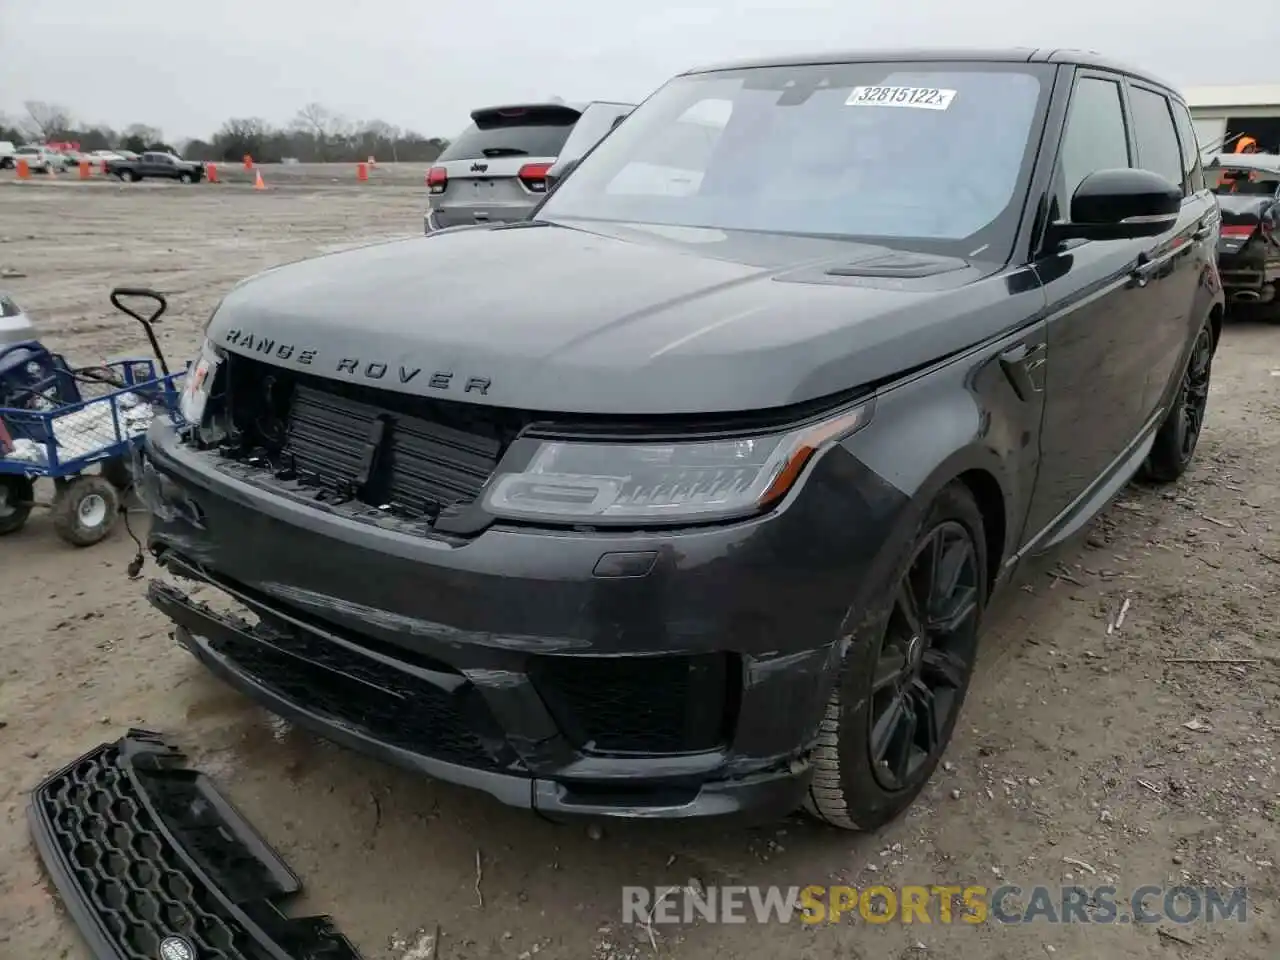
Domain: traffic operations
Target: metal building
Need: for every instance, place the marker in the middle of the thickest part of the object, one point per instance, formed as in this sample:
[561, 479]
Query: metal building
[1226, 114]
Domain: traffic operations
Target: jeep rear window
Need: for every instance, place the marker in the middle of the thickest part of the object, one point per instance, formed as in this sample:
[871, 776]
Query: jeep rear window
[526, 132]
[925, 155]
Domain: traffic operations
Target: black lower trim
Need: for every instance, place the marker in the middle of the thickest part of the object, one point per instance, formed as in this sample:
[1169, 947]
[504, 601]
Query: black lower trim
[145, 851]
[762, 796]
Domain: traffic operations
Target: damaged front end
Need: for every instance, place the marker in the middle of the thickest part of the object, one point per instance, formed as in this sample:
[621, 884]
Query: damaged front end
[1249, 239]
[334, 563]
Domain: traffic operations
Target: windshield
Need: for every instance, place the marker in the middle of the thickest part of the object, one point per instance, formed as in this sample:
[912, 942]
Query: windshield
[596, 121]
[933, 156]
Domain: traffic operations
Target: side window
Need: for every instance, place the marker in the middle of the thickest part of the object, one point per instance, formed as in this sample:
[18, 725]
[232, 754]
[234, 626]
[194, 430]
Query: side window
[1191, 167]
[1094, 138]
[1154, 134]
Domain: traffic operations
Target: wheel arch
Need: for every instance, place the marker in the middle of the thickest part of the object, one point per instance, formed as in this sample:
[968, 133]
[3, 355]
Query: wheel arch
[977, 468]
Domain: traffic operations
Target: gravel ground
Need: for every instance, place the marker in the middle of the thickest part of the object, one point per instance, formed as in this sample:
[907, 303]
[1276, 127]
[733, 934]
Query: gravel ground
[1141, 754]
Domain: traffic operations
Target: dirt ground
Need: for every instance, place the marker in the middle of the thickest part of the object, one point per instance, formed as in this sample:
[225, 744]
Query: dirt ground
[1144, 754]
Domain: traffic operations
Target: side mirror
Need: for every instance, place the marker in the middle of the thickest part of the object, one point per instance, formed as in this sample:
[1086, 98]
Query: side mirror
[1121, 204]
[559, 171]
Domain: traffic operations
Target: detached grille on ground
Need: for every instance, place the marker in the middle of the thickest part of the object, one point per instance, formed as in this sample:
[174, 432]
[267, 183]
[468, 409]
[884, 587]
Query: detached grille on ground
[632, 704]
[144, 850]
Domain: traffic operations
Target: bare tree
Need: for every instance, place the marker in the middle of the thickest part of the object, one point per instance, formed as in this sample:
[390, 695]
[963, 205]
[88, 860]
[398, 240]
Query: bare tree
[317, 120]
[47, 120]
[321, 124]
[141, 133]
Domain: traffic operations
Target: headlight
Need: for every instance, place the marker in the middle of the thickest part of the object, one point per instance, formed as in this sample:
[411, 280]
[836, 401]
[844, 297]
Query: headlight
[198, 383]
[579, 481]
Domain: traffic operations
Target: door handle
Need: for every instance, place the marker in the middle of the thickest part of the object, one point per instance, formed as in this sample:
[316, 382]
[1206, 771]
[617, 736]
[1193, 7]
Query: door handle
[1146, 268]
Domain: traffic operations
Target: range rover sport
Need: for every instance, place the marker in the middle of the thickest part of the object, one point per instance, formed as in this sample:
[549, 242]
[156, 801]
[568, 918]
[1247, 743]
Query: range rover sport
[687, 495]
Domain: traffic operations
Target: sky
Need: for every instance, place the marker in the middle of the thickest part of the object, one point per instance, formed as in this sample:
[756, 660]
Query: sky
[187, 65]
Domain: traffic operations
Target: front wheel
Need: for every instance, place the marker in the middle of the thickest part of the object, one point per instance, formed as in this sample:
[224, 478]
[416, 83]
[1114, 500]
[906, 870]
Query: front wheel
[904, 677]
[16, 494]
[184, 177]
[85, 510]
[1175, 444]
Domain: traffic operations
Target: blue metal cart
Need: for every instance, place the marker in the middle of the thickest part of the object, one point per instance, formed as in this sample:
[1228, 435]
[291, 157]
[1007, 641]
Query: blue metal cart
[58, 421]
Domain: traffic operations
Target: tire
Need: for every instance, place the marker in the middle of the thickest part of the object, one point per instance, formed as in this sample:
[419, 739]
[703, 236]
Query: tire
[16, 494]
[130, 176]
[1175, 444]
[849, 788]
[85, 510]
[184, 177]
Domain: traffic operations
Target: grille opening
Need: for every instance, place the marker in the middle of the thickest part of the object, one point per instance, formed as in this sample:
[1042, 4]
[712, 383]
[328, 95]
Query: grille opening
[622, 705]
[409, 457]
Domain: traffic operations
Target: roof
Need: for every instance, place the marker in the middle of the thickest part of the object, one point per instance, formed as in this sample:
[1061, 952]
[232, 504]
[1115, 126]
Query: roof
[1256, 95]
[1262, 162]
[1084, 58]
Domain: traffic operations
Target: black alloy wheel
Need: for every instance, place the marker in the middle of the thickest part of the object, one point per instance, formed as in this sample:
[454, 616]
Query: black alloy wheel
[1194, 396]
[925, 656]
[911, 642]
[1174, 446]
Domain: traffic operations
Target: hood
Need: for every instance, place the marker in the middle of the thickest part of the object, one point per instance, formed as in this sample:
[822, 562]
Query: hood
[619, 319]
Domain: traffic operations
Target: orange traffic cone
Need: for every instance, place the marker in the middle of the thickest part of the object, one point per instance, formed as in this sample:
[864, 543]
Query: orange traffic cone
[362, 172]
[258, 183]
[84, 169]
[211, 171]
[24, 169]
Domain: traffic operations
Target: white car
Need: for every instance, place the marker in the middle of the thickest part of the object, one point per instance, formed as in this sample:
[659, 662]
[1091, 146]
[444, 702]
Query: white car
[15, 325]
[40, 159]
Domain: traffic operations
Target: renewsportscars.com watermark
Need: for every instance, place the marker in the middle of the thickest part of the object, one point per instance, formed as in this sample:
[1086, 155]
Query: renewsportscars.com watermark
[935, 903]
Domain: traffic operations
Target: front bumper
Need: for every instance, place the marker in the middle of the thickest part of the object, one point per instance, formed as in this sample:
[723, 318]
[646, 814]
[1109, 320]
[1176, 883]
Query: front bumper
[629, 674]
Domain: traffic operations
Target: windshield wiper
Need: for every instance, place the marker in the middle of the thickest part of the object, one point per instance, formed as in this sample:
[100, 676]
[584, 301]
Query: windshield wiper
[504, 152]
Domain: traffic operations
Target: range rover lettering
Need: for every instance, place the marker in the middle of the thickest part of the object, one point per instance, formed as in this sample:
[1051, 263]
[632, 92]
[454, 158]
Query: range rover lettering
[781, 386]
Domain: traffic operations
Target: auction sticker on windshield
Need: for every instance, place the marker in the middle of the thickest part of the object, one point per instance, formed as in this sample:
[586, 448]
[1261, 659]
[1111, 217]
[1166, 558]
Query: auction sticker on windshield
[921, 98]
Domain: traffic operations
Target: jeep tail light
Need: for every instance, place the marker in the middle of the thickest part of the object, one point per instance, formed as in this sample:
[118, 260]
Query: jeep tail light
[437, 179]
[534, 176]
[1237, 231]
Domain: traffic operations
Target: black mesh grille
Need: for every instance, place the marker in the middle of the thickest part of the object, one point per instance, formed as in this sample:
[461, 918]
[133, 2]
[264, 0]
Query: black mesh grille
[366, 693]
[150, 851]
[661, 704]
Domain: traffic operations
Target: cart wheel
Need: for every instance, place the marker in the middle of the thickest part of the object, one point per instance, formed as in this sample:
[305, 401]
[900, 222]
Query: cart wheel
[85, 510]
[16, 494]
[118, 471]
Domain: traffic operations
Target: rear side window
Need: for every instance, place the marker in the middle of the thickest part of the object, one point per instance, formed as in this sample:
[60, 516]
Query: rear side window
[526, 133]
[1192, 170]
[1154, 134]
[1094, 138]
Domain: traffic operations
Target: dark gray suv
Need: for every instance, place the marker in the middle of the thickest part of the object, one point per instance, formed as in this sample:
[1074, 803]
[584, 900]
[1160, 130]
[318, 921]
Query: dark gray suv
[688, 495]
